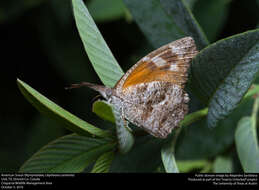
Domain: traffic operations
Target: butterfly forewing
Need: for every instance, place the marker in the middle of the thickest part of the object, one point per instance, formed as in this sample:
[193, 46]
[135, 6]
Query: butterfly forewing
[169, 63]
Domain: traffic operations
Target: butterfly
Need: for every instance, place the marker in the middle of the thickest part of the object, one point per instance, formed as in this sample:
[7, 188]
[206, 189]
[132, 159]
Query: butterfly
[151, 93]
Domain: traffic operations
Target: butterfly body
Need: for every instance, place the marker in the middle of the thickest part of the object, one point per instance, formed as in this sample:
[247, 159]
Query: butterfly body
[151, 93]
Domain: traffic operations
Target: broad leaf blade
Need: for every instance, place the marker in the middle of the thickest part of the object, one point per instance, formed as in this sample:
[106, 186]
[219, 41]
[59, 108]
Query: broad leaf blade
[96, 48]
[188, 165]
[168, 154]
[103, 110]
[194, 116]
[247, 143]
[223, 72]
[102, 165]
[190, 3]
[68, 154]
[210, 18]
[103, 10]
[165, 21]
[184, 19]
[54, 111]
[223, 165]
[254, 89]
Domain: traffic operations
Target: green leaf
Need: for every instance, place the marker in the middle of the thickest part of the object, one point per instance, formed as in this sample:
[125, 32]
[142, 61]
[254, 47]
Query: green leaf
[194, 116]
[46, 106]
[124, 133]
[12, 9]
[247, 143]
[96, 48]
[190, 3]
[188, 165]
[223, 165]
[103, 110]
[168, 158]
[163, 21]
[168, 154]
[103, 10]
[223, 72]
[254, 89]
[205, 11]
[103, 163]
[68, 154]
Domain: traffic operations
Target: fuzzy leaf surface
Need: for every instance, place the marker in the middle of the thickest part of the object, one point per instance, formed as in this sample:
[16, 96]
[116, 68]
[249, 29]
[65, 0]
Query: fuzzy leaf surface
[163, 21]
[223, 72]
[247, 142]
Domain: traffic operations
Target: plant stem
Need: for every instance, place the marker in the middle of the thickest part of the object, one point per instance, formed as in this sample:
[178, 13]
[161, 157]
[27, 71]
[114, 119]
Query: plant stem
[195, 116]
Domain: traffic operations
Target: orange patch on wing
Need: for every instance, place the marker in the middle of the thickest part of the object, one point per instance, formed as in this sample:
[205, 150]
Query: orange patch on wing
[148, 72]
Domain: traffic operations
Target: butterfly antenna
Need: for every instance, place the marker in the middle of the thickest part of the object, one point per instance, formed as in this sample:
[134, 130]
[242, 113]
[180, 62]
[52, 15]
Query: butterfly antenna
[79, 85]
[99, 88]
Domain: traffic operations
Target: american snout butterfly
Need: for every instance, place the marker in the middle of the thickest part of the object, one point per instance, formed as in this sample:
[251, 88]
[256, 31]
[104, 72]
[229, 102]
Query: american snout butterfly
[151, 93]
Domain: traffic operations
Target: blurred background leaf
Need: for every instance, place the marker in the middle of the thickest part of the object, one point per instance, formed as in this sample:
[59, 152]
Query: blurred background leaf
[246, 140]
[190, 3]
[191, 165]
[106, 11]
[168, 158]
[165, 21]
[223, 165]
[15, 8]
[212, 16]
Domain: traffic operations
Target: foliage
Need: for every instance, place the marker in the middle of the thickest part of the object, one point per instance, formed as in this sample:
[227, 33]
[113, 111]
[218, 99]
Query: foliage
[248, 150]
[222, 77]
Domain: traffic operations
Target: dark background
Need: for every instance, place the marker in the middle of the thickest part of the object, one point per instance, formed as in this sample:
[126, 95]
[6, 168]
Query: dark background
[41, 46]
